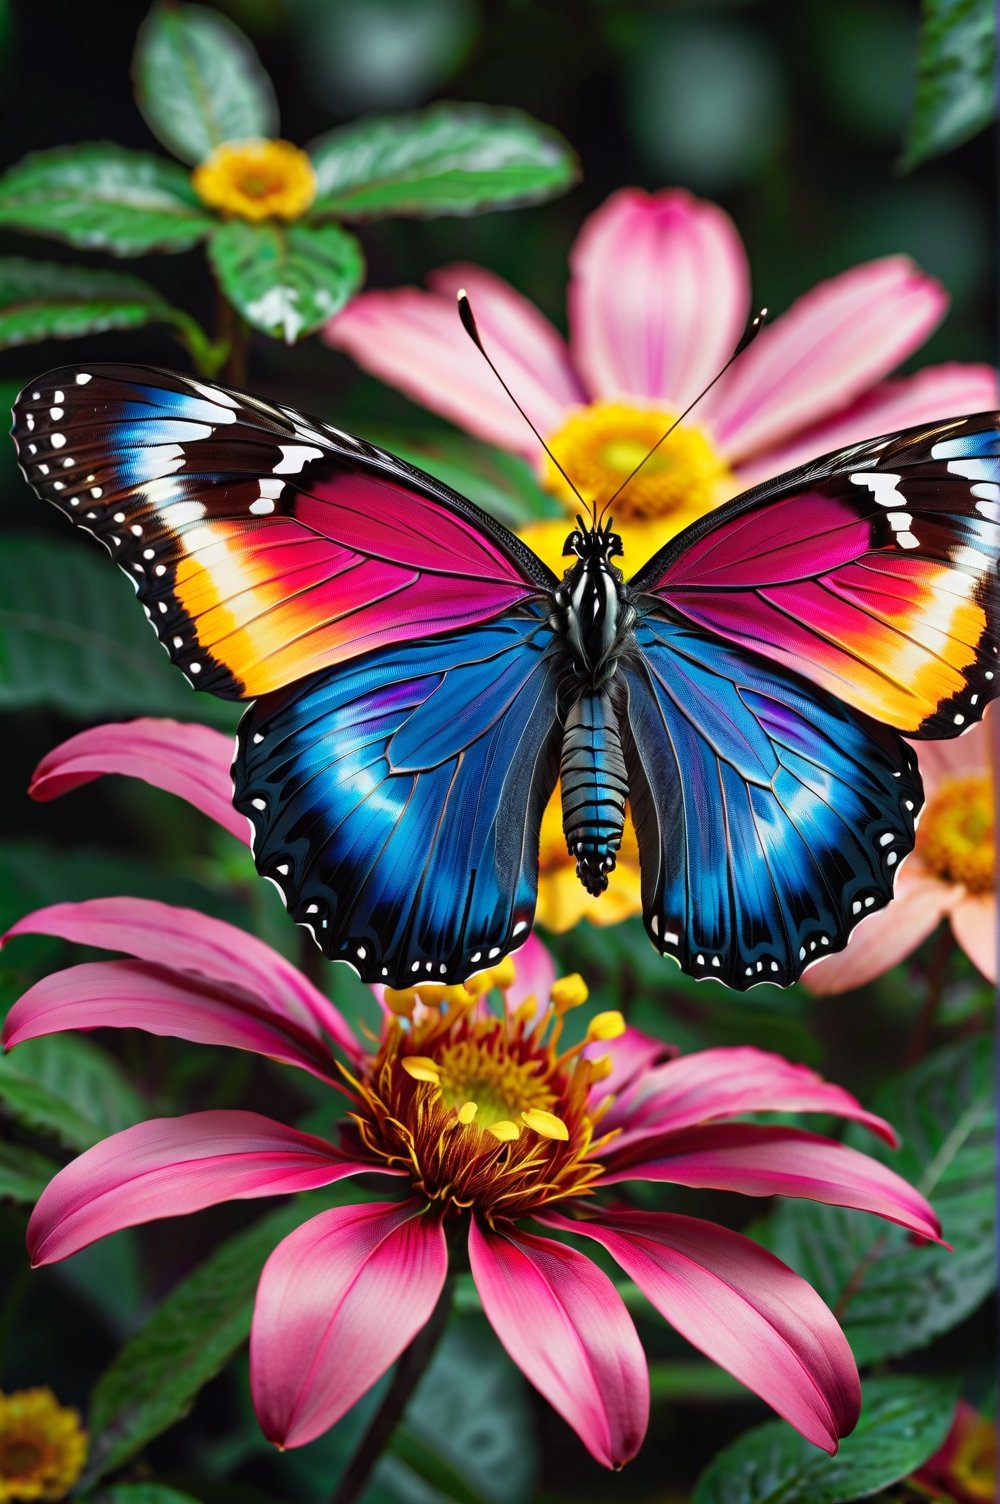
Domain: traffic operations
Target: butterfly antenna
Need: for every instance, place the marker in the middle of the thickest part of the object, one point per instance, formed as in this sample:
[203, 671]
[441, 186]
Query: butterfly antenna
[469, 325]
[749, 334]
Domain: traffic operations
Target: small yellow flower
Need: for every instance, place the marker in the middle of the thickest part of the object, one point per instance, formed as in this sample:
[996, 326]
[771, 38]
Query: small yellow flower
[257, 180]
[42, 1446]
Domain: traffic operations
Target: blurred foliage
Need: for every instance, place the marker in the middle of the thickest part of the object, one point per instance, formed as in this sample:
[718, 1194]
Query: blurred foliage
[956, 77]
[792, 117]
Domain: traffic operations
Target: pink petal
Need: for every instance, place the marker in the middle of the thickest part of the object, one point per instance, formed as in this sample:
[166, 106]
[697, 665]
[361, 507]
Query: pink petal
[536, 971]
[631, 1055]
[744, 1309]
[945, 391]
[823, 353]
[886, 938]
[658, 297]
[414, 340]
[188, 942]
[763, 1161]
[974, 920]
[723, 1083]
[565, 1326]
[170, 1166]
[969, 753]
[138, 995]
[184, 758]
[338, 1301]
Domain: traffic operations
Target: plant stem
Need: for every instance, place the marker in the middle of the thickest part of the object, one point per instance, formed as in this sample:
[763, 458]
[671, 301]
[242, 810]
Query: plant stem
[409, 1371]
[937, 975]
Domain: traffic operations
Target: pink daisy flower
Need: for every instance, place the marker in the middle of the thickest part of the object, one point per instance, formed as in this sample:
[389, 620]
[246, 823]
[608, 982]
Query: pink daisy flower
[497, 1139]
[949, 875]
[659, 294]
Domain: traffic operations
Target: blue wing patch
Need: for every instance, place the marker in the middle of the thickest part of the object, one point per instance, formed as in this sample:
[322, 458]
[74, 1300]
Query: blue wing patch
[771, 817]
[396, 800]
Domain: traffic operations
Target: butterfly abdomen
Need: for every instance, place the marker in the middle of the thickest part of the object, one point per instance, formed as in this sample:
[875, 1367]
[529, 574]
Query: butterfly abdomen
[594, 787]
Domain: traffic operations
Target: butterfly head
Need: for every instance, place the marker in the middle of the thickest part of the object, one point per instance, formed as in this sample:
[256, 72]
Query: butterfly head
[593, 543]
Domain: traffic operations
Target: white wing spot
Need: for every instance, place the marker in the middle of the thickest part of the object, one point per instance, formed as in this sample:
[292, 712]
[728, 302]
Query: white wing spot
[55, 413]
[57, 440]
[83, 377]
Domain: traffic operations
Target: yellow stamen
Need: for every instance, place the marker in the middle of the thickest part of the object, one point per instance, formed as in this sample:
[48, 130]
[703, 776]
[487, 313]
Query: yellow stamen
[955, 835]
[600, 445]
[421, 1068]
[505, 974]
[545, 1123]
[610, 1025]
[504, 1131]
[257, 180]
[568, 992]
[400, 1001]
[467, 1112]
[431, 994]
[600, 1068]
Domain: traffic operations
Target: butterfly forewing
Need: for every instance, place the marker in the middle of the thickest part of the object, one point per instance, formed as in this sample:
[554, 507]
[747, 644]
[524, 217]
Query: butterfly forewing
[871, 572]
[263, 545]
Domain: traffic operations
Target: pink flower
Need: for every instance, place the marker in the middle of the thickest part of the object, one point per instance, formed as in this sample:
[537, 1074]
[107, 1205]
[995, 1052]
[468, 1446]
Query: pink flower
[481, 1121]
[659, 294]
[948, 876]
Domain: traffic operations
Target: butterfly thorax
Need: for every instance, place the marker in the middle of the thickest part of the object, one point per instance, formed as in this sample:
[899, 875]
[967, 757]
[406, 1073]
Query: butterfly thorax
[592, 611]
[594, 617]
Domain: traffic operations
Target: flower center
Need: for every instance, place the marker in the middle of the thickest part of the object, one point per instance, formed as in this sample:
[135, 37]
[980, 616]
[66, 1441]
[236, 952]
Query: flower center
[955, 835]
[20, 1457]
[600, 446]
[257, 179]
[484, 1112]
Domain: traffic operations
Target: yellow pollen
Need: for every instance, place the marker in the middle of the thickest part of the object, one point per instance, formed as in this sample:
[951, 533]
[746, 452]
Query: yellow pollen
[569, 992]
[467, 1112]
[610, 1025]
[483, 1072]
[505, 1132]
[600, 445]
[257, 180]
[545, 1123]
[955, 834]
[421, 1068]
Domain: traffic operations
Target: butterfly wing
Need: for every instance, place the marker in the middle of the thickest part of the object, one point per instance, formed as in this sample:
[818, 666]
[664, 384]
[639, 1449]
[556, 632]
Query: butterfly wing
[263, 545]
[771, 817]
[396, 800]
[872, 572]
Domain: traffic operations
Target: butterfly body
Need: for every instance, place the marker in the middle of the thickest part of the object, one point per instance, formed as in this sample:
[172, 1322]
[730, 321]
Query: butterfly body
[421, 680]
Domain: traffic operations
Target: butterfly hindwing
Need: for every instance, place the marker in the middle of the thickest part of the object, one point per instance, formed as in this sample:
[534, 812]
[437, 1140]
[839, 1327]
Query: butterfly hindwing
[872, 572]
[771, 817]
[396, 801]
[263, 545]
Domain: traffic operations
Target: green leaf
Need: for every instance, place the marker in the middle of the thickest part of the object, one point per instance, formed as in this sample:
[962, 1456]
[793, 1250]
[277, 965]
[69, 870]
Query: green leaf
[891, 1295]
[450, 159]
[66, 1086]
[47, 300]
[23, 1173]
[142, 1493]
[956, 68]
[487, 1449]
[199, 82]
[72, 638]
[100, 197]
[153, 1380]
[286, 280]
[903, 1422]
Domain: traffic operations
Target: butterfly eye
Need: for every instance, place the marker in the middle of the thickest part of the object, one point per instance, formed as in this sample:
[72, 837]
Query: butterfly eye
[572, 544]
[614, 545]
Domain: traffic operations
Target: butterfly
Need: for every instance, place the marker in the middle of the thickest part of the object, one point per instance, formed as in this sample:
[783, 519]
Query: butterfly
[420, 679]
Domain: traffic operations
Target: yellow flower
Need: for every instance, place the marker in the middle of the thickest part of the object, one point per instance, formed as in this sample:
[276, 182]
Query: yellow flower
[42, 1446]
[257, 180]
[562, 899]
[599, 445]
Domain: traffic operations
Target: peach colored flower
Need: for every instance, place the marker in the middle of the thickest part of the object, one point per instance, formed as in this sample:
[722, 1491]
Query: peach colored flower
[950, 874]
